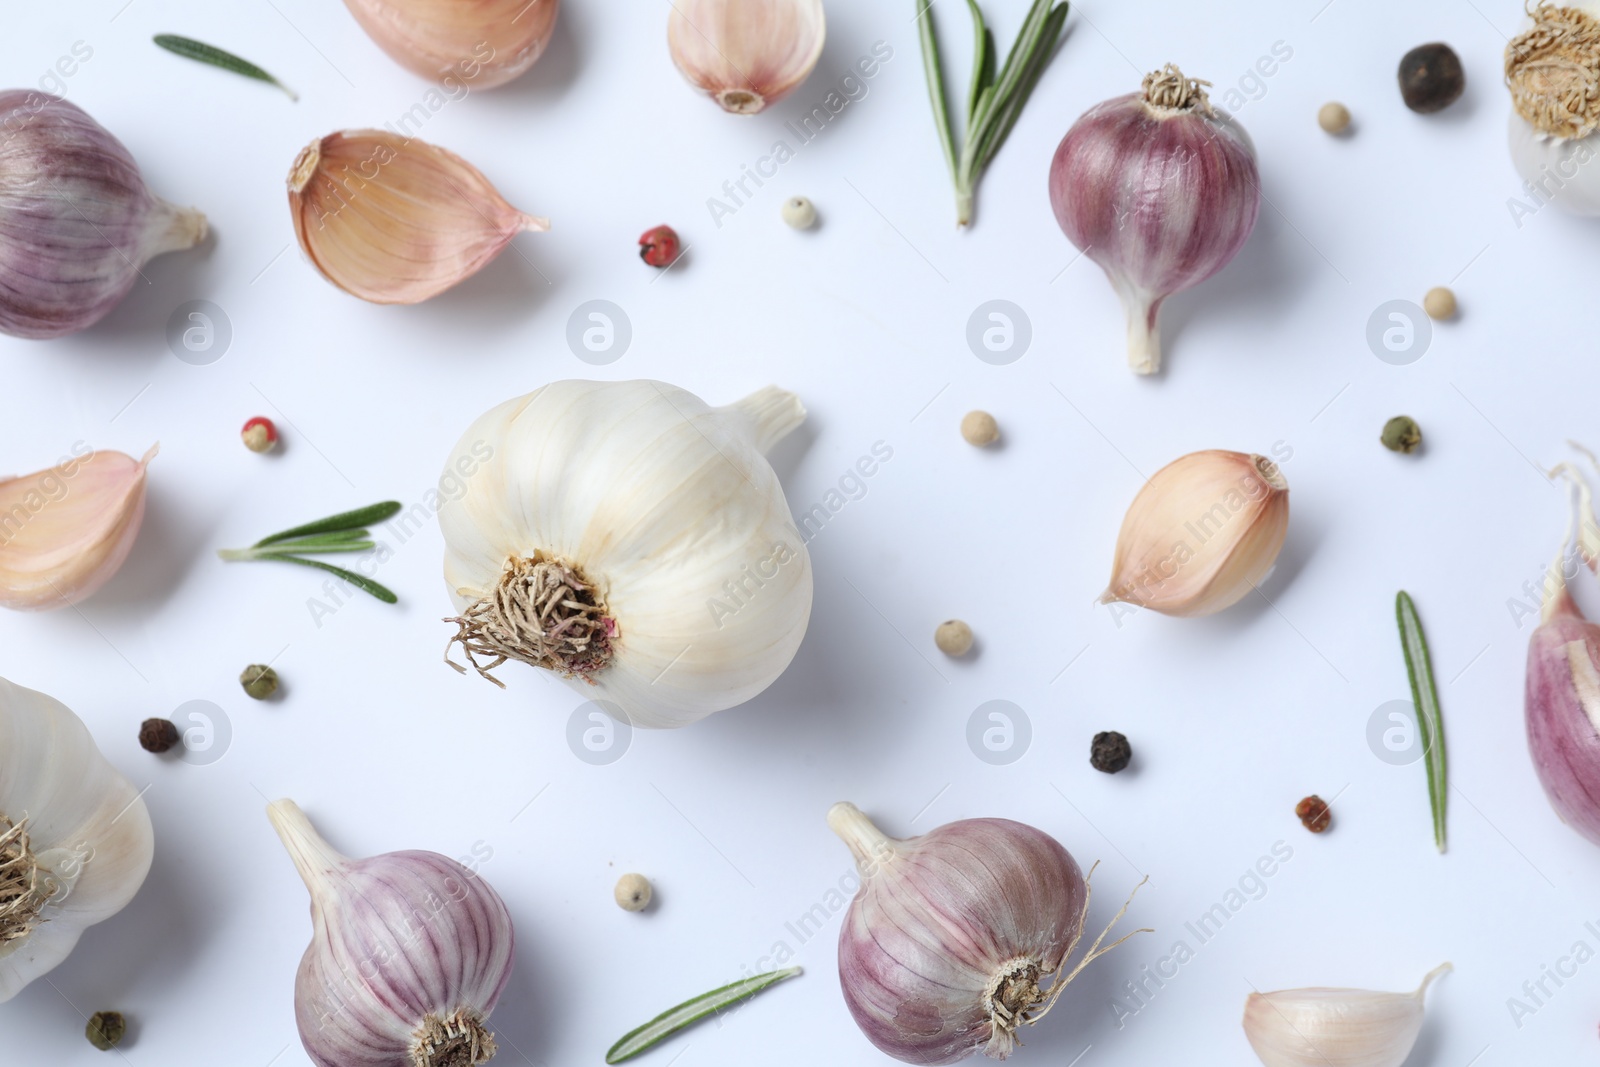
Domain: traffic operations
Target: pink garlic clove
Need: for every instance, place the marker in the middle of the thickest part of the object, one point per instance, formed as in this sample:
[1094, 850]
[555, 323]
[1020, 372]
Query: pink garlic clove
[746, 54]
[1562, 707]
[66, 530]
[463, 44]
[1161, 190]
[76, 218]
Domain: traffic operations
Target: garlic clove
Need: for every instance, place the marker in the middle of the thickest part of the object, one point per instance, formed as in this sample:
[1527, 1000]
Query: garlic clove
[77, 220]
[746, 54]
[1201, 534]
[395, 220]
[1320, 1027]
[66, 530]
[1562, 709]
[478, 44]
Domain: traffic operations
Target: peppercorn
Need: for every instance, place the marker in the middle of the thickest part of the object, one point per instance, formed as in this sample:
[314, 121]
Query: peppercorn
[1109, 752]
[1431, 78]
[1401, 434]
[1314, 813]
[979, 428]
[1334, 117]
[1439, 303]
[633, 892]
[105, 1030]
[953, 637]
[659, 246]
[157, 735]
[259, 681]
[259, 434]
[799, 212]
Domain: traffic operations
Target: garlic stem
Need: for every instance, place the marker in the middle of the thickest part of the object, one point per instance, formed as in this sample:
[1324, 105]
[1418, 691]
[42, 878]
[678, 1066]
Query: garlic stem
[772, 415]
[1427, 979]
[314, 858]
[172, 229]
[867, 843]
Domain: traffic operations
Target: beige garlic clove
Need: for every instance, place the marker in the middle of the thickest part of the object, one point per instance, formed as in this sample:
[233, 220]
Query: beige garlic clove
[1335, 1027]
[394, 220]
[1201, 534]
[66, 530]
[470, 44]
[746, 54]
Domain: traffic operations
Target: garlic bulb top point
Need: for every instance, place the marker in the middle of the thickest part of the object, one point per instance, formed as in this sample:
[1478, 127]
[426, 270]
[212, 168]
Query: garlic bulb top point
[1328, 1027]
[746, 54]
[868, 844]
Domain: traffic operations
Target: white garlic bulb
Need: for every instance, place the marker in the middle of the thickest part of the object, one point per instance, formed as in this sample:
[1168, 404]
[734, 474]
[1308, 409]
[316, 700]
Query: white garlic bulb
[632, 539]
[75, 836]
[1335, 1027]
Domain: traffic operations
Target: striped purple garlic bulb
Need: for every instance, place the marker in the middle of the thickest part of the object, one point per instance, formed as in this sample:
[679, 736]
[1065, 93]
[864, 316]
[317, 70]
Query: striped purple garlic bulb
[409, 953]
[1160, 189]
[76, 220]
[946, 944]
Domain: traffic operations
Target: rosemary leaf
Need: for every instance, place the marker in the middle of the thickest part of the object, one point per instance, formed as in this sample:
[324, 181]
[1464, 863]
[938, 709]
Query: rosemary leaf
[934, 67]
[690, 1012]
[348, 520]
[982, 60]
[1000, 129]
[201, 52]
[366, 585]
[1430, 723]
[293, 548]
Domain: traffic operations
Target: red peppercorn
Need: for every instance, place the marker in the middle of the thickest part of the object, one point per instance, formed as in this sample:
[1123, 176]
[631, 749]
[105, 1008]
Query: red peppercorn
[259, 435]
[158, 735]
[1314, 813]
[659, 246]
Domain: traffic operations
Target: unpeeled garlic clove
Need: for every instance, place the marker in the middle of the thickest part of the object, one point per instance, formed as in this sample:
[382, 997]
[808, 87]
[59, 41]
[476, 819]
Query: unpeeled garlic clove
[66, 530]
[480, 44]
[1335, 1027]
[746, 54]
[1201, 534]
[395, 220]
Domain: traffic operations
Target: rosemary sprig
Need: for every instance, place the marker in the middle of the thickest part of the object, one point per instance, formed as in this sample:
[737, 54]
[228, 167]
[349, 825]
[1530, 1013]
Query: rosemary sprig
[201, 52]
[345, 532]
[995, 99]
[690, 1012]
[1430, 723]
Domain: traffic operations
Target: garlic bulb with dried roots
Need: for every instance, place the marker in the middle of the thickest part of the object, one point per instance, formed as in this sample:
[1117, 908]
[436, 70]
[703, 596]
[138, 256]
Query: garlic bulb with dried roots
[746, 54]
[1553, 71]
[1160, 189]
[1322, 1027]
[76, 218]
[946, 945]
[478, 44]
[394, 220]
[1201, 534]
[66, 530]
[75, 836]
[633, 540]
[409, 953]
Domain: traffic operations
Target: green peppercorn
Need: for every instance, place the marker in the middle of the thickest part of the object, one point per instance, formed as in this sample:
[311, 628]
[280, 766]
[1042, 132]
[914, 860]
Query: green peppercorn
[1401, 434]
[259, 681]
[105, 1030]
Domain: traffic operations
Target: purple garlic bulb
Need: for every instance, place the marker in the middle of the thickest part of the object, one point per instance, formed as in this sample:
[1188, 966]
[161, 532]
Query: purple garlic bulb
[944, 948]
[76, 218]
[1160, 189]
[409, 953]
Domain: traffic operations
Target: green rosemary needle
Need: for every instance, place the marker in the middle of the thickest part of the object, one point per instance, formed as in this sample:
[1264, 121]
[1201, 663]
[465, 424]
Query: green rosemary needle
[1430, 722]
[345, 532]
[201, 52]
[690, 1012]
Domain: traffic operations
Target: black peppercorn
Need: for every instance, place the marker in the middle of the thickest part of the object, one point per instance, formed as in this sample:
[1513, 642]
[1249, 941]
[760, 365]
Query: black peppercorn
[157, 735]
[105, 1030]
[1431, 78]
[1110, 752]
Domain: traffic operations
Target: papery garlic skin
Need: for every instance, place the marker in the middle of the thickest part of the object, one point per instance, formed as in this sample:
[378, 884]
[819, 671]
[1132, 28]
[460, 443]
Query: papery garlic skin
[943, 948]
[394, 220]
[668, 508]
[1202, 533]
[746, 54]
[476, 43]
[66, 530]
[1562, 710]
[1553, 143]
[409, 954]
[77, 219]
[1322, 1027]
[1160, 189]
[89, 838]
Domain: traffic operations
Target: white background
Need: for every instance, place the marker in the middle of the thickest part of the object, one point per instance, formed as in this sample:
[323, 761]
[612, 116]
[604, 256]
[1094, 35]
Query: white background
[1234, 718]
